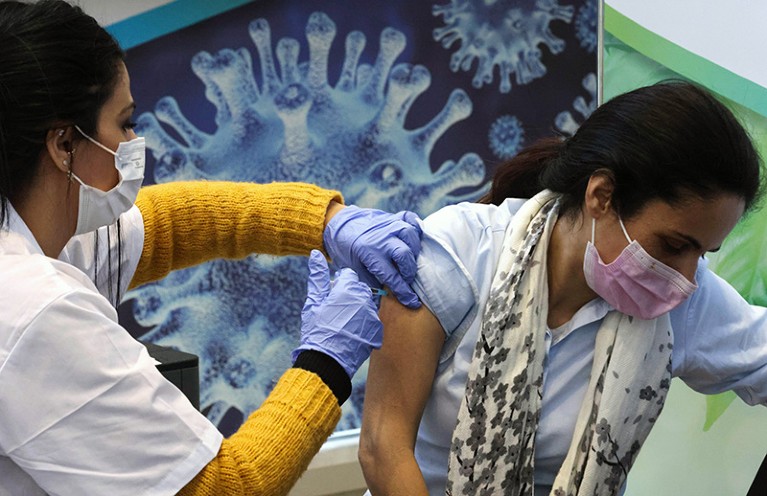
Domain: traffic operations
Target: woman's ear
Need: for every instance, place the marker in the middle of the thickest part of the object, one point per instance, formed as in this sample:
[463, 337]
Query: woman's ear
[58, 143]
[599, 194]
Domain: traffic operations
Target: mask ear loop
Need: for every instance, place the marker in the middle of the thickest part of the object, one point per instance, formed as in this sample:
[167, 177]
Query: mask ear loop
[593, 229]
[623, 228]
[95, 142]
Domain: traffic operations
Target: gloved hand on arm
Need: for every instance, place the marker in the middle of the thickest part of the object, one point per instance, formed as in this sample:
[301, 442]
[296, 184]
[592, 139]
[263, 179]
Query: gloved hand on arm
[339, 320]
[381, 247]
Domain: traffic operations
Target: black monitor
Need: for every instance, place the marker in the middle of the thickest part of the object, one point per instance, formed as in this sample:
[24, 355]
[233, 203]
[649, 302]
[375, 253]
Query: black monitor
[180, 368]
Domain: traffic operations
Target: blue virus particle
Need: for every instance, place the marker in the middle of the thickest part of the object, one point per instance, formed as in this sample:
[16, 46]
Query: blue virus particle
[243, 317]
[500, 33]
[506, 136]
[565, 122]
[586, 21]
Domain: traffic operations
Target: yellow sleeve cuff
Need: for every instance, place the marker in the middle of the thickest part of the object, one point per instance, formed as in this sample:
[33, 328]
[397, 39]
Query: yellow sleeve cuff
[274, 446]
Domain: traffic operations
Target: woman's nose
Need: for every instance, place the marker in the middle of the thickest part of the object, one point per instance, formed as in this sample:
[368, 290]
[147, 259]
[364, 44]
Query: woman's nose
[689, 268]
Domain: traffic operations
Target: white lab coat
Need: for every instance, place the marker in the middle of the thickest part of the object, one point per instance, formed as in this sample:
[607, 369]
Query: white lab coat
[83, 409]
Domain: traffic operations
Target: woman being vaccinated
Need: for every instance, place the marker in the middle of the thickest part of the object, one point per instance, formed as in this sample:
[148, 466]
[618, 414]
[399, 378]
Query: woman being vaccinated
[557, 311]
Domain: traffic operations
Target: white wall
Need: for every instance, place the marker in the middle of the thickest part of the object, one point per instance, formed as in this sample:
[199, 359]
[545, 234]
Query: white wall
[111, 11]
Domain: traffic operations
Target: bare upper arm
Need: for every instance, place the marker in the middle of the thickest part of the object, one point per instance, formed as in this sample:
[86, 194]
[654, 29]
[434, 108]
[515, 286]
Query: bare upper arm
[401, 374]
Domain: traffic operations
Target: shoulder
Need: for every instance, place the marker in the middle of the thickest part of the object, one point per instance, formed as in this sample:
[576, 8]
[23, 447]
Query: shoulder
[713, 303]
[470, 216]
[40, 292]
[715, 320]
[459, 253]
[468, 229]
[38, 277]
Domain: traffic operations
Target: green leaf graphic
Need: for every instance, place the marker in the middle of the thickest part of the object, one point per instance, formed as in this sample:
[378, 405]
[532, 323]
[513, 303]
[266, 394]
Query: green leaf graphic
[740, 260]
[716, 404]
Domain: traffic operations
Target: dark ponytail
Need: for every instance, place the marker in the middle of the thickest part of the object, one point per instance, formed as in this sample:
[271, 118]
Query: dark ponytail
[520, 176]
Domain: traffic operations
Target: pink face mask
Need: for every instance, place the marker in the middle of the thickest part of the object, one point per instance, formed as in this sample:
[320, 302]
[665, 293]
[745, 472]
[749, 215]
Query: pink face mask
[635, 283]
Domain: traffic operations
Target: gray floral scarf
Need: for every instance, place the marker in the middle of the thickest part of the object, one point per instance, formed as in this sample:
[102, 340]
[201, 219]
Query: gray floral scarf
[493, 444]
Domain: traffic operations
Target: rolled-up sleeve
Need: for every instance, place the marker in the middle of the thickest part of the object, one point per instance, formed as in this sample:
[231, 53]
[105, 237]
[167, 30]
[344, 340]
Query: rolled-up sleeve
[443, 284]
[458, 258]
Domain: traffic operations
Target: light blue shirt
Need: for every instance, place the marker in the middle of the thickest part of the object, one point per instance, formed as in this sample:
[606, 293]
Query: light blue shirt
[720, 341]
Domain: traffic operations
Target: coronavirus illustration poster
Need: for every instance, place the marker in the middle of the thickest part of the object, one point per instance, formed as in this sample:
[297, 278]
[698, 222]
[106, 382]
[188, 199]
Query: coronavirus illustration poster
[397, 104]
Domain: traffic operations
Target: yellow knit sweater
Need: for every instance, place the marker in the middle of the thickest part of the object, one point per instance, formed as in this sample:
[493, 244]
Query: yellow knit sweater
[275, 445]
[187, 223]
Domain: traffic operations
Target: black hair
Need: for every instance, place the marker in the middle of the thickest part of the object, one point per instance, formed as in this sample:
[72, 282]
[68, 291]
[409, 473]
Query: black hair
[666, 141]
[57, 68]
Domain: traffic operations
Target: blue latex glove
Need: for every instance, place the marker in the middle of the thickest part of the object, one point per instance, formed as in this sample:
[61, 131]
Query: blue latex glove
[340, 321]
[381, 247]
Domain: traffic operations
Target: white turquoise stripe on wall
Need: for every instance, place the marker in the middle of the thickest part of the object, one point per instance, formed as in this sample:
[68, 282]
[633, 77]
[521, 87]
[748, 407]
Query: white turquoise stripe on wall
[157, 22]
[744, 84]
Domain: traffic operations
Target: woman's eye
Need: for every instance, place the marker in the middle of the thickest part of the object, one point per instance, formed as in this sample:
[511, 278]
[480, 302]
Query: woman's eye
[129, 125]
[674, 248]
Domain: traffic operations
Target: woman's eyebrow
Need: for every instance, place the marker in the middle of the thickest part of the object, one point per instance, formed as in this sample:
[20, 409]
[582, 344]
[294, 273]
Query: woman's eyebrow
[694, 242]
[131, 106]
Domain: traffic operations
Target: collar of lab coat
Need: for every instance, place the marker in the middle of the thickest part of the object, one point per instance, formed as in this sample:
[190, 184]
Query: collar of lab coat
[17, 239]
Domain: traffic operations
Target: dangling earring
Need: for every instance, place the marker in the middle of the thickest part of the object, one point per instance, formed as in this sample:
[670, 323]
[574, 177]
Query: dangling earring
[67, 162]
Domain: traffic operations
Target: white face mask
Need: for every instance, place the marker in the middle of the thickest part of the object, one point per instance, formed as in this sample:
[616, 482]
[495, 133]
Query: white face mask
[101, 208]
